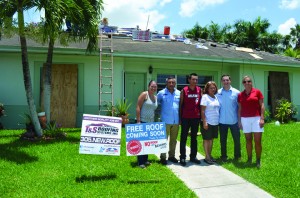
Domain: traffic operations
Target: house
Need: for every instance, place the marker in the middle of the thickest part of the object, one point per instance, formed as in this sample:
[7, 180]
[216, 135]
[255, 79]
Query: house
[75, 88]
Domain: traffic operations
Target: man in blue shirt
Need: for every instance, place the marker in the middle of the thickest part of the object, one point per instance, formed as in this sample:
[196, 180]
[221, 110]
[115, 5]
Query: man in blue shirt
[168, 99]
[227, 96]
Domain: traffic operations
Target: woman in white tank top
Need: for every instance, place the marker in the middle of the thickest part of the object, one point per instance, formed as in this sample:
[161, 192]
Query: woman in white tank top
[145, 111]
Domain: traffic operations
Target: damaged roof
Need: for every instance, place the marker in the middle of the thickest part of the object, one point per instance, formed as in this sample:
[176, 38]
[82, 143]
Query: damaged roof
[205, 50]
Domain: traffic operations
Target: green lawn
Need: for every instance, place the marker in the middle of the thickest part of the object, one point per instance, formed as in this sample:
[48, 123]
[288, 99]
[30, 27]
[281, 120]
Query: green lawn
[280, 171]
[56, 169]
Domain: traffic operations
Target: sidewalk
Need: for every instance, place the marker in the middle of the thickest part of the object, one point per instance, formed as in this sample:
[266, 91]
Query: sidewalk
[214, 181]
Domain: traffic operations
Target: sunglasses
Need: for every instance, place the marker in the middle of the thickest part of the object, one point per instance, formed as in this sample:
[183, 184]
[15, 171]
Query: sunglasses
[248, 81]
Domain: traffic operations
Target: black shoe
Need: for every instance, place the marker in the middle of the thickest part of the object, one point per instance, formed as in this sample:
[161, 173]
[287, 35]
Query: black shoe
[213, 159]
[224, 159]
[173, 159]
[237, 159]
[208, 161]
[258, 163]
[195, 160]
[183, 162]
[249, 161]
[163, 161]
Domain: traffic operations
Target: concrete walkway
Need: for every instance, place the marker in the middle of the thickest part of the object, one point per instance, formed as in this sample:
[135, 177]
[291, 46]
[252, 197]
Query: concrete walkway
[214, 181]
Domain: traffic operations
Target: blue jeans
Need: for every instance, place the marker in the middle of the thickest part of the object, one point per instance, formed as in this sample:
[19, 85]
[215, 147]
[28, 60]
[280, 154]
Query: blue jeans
[186, 124]
[235, 132]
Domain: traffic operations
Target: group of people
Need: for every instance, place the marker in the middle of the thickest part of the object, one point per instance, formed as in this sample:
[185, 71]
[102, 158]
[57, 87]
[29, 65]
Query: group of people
[214, 110]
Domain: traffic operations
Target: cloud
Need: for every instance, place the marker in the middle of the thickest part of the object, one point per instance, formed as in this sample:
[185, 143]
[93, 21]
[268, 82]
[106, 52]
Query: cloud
[130, 13]
[189, 7]
[289, 4]
[285, 28]
[164, 2]
[260, 9]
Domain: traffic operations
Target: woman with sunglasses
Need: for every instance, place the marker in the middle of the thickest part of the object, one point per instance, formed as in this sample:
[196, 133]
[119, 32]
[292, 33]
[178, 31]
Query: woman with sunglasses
[251, 117]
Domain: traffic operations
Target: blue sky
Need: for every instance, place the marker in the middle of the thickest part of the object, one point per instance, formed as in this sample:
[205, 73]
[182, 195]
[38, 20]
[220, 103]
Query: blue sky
[183, 14]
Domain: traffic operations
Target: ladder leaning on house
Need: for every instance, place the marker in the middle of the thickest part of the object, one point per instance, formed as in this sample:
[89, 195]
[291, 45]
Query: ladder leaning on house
[106, 73]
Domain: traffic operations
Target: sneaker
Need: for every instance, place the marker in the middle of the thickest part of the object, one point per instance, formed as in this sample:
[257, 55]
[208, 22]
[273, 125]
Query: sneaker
[147, 163]
[195, 160]
[142, 166]
[183, 162]
[208, 161]
[173, 159]
[163, 161]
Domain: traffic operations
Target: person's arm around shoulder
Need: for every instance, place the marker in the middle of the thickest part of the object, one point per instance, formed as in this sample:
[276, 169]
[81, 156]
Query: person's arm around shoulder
[139, 105]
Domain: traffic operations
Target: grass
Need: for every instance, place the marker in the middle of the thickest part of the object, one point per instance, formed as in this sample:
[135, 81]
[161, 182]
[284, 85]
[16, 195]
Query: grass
[280, 171]
[54, 168]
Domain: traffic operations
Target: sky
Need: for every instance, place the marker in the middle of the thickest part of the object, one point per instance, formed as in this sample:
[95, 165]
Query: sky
[182, 15]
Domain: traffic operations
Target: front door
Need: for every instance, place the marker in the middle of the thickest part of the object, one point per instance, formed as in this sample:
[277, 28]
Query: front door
[134, 85]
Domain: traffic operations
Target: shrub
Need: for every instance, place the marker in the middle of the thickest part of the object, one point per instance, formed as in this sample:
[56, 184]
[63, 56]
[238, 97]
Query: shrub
[53, 129]
[1, 109]
[267, 116]
[284, 110]
[122, 107]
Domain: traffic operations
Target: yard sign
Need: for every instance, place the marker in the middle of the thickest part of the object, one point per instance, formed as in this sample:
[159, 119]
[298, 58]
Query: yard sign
[100, 135]
[146, 138]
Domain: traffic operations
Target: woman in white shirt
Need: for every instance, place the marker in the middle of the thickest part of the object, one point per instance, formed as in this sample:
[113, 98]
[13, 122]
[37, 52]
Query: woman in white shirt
[210, 117]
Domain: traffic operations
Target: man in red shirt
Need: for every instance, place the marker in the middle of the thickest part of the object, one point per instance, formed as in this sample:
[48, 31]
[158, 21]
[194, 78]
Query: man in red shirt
[190, 98]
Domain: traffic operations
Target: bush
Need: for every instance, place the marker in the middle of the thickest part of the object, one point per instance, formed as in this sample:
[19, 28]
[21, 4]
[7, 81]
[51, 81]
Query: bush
[285, 110]
[267, 116]
[1, 109]
[53, 130]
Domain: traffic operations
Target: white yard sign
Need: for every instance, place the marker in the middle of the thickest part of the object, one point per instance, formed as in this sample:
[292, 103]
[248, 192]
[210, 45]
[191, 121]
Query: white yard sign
[100, 135]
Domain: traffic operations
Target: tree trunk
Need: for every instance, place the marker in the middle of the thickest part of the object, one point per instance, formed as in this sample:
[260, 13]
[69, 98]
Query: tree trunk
[47, 81]
[26, 72]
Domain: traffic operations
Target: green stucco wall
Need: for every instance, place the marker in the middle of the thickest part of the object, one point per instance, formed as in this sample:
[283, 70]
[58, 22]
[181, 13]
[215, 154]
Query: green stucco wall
[12, 92]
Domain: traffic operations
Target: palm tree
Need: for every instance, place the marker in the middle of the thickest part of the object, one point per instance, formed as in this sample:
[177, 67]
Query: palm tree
[270, 42]
[85, 17]
[215, 32]
[295, 33]
[286, 41]
[249, 34]
[7, 11]
[292, 53]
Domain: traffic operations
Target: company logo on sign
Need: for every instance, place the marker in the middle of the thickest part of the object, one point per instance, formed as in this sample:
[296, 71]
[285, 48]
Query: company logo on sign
[134, 147]
[163, 145]
[103, 129]
[111, 150]
[151, 143]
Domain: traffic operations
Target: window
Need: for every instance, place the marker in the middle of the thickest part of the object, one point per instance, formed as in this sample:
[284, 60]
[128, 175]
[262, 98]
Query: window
[182, 80]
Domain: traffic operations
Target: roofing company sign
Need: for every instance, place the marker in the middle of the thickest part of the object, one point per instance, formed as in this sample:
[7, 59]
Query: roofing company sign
[100, 135]
[146, 138]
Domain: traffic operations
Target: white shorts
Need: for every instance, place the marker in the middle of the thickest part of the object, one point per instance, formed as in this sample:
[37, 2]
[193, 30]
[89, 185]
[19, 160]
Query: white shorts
[251, 124]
